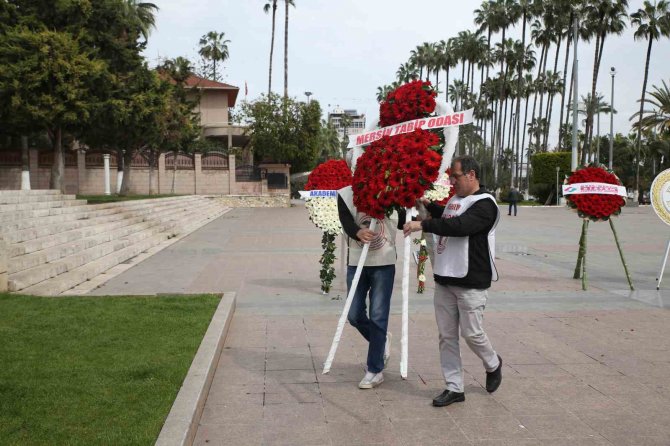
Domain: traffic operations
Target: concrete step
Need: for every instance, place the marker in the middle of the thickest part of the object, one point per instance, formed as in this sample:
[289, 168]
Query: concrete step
[63, 240]
[44, 212]
[186, 224]
[62, 202]
[60, 227]
[16, 199]
[106, 234]
[91, 248]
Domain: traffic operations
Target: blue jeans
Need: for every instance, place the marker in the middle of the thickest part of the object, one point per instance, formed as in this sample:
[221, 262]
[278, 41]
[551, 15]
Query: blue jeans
[378, 280]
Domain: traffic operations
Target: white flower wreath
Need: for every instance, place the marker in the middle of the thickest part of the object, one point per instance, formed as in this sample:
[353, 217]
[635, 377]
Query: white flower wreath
[323, 212]
[440, 190]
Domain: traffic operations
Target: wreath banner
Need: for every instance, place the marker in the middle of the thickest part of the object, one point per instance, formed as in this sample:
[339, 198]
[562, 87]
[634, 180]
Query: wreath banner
[305, 194]
[594, 188]
[436, 122]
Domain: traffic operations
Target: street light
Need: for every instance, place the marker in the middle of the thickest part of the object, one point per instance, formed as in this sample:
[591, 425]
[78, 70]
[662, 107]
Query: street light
[612, 73]
[557, 189]
[308, 94]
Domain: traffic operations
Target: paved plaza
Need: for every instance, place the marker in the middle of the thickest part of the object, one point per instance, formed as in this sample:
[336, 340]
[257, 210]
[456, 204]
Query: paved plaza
[580, 368]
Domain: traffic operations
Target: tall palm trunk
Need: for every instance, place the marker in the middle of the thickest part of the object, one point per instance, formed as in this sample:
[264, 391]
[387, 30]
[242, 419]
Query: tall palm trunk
[639, 128]
[286, 51]
[589, 112]
[523, 137]
[550, 99]
[502, 86]
[272, 45]
[568, 41]
[538, 135]
[25, 164]
[537, 91]
[519, 73]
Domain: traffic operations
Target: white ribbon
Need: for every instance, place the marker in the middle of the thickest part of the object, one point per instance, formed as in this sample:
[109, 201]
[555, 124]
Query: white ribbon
[347, 303]
[404, 341]
[594, 188]
[453, 119]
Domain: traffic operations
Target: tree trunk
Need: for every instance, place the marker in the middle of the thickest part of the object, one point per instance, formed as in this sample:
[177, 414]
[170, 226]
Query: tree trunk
[550, 99]
[58, 167]
[286, 52]
[127, 163]
[565, 84]
[272, 45]
[119, 170]
[174, 170]
[523, 140]
[519, 73]
[639, 129]
[152, 160]
[25, 164]
[502, 92]
[589, 111]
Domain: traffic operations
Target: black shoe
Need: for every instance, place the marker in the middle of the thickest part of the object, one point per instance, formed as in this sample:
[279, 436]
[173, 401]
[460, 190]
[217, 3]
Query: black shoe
[494, 378]
[447, 397]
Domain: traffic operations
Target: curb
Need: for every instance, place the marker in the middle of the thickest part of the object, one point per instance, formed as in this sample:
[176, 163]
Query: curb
[182, 422]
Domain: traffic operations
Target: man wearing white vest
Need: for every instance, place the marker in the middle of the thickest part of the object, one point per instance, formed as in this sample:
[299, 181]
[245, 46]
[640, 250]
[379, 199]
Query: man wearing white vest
[463, 270]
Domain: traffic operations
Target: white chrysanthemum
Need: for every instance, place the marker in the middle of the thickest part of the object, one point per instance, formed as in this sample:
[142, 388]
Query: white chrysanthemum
[440, 190]
[323, 212]
[422, 278]
[438, 193]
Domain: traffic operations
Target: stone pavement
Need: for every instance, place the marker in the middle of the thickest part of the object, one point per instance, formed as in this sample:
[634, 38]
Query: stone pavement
[580, 368]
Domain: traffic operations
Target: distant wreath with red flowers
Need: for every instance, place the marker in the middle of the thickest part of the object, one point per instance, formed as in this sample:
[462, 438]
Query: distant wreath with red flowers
[394, 172]
[331, 175]
[595, 206]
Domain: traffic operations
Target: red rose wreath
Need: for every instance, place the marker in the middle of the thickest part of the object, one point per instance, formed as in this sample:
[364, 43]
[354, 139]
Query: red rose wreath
[595, 207]
[394, 172]
[331, 175]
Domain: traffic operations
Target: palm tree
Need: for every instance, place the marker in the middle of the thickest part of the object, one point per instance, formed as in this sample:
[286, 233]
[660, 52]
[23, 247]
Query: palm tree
[287, 3]
[658, 118]
[652, 22]
[605, 17]
[214, 47]
[271, 6]
[141, 16]
[406, 72]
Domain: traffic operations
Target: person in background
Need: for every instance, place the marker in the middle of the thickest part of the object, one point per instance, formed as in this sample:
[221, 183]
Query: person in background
[513, 198]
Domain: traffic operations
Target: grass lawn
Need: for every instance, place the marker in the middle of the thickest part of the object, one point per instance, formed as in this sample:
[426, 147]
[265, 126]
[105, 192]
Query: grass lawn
[94, 370]
[97, 199]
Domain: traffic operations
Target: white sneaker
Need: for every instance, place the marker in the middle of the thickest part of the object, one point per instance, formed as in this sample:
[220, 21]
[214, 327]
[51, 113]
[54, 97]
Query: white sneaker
[387, 349]
[371, 380]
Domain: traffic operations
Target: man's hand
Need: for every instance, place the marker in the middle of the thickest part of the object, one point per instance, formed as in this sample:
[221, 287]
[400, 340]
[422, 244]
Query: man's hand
[365, 235]
[412, 226]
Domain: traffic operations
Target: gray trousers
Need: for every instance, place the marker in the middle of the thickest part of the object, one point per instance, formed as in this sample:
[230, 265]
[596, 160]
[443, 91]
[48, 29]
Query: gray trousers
[462, 308]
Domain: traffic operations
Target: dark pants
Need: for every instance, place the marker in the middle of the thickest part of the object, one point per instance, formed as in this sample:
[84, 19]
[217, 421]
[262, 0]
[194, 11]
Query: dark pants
[512, 203]
[378, 280]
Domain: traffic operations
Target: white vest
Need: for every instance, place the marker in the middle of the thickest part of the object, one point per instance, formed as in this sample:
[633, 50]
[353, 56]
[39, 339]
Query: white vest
[382, 248]
[452, 253]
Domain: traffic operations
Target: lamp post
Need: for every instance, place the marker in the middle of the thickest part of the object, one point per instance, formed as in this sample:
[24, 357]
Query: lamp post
[575, 95]
[308, 94]
[612, 73]
[557, 189]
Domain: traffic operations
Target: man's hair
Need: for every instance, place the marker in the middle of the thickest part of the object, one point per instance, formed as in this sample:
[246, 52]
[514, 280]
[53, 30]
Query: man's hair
[468, 163]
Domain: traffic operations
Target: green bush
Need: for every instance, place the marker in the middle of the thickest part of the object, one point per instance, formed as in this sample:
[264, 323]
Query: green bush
[543, 173]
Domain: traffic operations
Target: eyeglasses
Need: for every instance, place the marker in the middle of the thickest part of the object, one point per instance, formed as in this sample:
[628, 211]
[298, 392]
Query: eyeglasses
[455, 176]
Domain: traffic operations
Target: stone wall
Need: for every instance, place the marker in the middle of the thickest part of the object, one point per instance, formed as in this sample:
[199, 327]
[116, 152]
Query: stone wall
[84, 174]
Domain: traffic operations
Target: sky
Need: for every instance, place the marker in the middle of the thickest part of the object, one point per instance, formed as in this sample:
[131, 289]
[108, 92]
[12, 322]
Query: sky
[342, 50]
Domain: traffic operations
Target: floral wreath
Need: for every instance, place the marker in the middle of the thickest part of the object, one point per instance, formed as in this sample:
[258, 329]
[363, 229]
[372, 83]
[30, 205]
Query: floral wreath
[395, 171]
[595, 206]
[329, 176]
